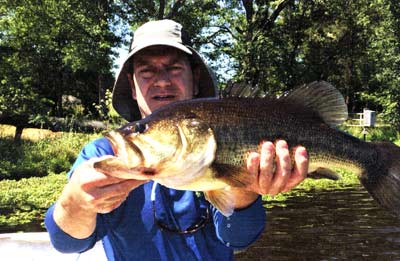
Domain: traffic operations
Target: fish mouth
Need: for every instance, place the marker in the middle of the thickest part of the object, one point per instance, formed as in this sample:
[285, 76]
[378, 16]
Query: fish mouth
[146, 171]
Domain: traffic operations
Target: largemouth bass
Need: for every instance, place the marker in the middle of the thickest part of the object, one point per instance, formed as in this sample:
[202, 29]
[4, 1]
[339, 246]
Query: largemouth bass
[202, 144]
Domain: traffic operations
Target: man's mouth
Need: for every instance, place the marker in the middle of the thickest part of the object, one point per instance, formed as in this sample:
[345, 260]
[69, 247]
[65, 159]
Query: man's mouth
[163, 97]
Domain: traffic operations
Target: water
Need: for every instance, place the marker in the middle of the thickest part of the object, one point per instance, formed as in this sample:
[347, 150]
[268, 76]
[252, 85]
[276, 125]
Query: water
[343, 224]
[328, 225]
[36, 247]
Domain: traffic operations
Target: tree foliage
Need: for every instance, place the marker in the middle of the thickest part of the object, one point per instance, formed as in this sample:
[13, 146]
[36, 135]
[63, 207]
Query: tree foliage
[49, 48]
[278, 45]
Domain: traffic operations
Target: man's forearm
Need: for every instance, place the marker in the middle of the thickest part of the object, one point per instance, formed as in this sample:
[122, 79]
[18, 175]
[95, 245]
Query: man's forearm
[72, 215]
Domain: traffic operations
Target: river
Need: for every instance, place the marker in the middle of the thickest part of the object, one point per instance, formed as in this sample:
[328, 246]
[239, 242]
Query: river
[343, 224]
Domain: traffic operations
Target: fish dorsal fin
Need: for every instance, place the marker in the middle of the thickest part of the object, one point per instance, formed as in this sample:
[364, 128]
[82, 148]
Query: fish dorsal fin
[241, 90]
[322, 98]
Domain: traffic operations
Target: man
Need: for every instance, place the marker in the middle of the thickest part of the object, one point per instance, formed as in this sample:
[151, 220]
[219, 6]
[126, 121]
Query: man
[144, 220]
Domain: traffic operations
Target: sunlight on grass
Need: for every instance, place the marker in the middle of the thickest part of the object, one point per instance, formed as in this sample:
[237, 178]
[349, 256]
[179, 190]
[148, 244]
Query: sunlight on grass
[8, 131]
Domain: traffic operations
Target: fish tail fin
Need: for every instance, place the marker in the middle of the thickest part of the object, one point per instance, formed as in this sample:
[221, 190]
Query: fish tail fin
[222, 200]
[383, 181]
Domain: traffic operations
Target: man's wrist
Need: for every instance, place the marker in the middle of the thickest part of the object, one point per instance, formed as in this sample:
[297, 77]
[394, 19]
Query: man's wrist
[72, 218]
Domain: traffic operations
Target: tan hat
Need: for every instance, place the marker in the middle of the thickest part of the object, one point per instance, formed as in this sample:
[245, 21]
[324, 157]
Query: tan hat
[162, 32]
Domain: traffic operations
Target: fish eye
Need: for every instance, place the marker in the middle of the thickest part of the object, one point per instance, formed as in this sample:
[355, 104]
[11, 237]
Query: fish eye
[194, 123]
[198, 124]
[140, 127]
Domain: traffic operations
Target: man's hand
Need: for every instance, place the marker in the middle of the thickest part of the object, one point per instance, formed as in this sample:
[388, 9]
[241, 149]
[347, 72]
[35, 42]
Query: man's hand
[87, 193]
[272, 171]
[273, 180]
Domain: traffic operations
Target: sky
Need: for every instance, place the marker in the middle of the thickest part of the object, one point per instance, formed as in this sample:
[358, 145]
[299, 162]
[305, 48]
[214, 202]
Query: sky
[122, 52]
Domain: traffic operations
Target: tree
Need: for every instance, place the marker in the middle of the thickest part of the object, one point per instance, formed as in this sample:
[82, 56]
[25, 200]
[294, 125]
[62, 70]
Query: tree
[53, 48]
[49, 48]
[384, 81]
[278, 45]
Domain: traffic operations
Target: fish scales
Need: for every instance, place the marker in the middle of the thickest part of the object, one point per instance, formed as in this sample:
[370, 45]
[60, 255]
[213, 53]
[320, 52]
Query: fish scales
[240, 124]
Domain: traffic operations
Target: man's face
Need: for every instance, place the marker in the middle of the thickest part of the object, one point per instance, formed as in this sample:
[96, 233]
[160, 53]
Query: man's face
[161, 75]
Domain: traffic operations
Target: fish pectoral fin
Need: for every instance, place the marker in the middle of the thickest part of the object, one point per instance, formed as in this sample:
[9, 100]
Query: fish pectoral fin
[222, 200]
[116, 167]
[232, 175]
[323, 173]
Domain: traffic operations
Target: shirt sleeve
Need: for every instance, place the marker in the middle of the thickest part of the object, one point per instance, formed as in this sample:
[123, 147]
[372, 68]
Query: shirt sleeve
[97, 148]
[243, 227]
[59, 239]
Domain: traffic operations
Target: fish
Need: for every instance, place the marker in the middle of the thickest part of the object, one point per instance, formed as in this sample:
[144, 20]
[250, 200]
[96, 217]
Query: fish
[202, 144]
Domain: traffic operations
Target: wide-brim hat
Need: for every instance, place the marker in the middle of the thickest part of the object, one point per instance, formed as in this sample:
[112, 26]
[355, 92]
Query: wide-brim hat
[161, 32]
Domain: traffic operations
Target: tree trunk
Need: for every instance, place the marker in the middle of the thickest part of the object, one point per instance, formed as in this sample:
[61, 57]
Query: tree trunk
[18, 134]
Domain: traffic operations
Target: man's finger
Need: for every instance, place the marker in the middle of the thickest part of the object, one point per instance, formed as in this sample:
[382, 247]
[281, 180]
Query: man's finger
[300, 169]
[266, 166]
[283, 167]
[253, 163]
[116, 189]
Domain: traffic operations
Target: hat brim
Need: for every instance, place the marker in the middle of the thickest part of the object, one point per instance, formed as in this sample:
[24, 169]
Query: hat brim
[122, 99]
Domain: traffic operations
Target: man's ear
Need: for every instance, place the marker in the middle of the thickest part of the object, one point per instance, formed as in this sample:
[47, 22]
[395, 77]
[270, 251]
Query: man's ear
[196, 79]
[132, 85]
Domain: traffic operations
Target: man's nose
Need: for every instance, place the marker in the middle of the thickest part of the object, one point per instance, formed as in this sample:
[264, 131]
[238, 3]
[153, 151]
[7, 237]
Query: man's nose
[163, 77]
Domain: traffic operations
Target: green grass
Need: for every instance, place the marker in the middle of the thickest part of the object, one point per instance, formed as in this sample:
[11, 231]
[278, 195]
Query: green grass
[384, 133]
[347, 179]
[41, 157]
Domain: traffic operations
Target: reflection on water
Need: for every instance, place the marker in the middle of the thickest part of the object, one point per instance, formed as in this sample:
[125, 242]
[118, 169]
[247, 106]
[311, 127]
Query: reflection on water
[328, 225]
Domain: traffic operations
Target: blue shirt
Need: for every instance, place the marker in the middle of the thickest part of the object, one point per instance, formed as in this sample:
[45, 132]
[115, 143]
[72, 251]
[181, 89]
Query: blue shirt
[130, 232]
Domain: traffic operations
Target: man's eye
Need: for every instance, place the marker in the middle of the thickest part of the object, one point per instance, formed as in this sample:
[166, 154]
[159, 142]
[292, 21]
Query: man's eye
[147, 73]
[175, 69]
